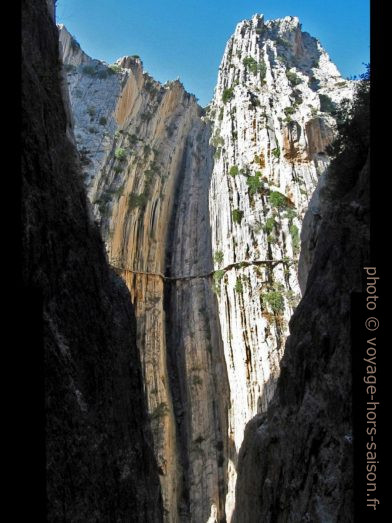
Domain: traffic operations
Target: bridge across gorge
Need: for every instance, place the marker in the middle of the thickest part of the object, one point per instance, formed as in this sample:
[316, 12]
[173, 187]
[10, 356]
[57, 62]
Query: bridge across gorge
[241, 264]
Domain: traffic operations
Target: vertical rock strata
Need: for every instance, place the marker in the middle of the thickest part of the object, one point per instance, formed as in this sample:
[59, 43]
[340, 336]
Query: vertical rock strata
[272, 119]
[200, 388]
[144, 228]
[201, 216]
[147, 166]
[296, 461]
[100, 464]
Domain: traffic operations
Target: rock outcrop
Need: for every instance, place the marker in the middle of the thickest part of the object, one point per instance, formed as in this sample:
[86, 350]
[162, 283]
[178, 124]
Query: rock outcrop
[201, 213]
[296, 461]
[272, 119]
[148, 165]
[71, 50]
[100, 464]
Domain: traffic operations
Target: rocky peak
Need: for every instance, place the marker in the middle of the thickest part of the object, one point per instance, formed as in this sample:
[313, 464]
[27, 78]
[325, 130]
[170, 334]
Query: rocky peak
[272, 118]
[70, 49]
[130, 62]
[201, 216]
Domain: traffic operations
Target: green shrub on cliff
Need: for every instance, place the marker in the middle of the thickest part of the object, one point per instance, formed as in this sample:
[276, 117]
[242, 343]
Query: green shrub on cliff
[262, 70]
[250, 63]
[277, 200]
[254, 183]
[160, 411]
[217, 140]
[233, 171]
[294, 233]
[269, 225]
[217, 277]
[293, 78]
[239, 286]
[137, 200]
[326, 104]
[218, 257]
[114, 68]
[288, 111]
[120, 154]
[237, 215]
[255, 67]
[89, 70]
[351, 148]
[275, 300]
[227, 94]
[282, 42]
[276, 152]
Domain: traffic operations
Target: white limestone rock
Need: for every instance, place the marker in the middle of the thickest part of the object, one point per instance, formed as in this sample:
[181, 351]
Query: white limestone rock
[272, 120]
[210, 363]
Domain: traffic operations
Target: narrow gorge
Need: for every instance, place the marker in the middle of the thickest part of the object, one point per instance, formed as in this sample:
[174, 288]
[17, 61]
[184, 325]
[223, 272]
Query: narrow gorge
[202, 212]
[190, 201]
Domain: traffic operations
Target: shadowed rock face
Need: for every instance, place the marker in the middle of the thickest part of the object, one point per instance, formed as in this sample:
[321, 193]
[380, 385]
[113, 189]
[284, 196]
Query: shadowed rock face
[295, 463]
[147, 164]
[179, 192]
[100, 463]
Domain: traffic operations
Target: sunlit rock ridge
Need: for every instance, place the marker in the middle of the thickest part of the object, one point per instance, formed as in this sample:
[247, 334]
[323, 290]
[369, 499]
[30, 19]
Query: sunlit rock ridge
[272, 122]
[201, 213]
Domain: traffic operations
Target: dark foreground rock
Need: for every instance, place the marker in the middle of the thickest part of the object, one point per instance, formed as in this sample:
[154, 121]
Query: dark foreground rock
[100, 463]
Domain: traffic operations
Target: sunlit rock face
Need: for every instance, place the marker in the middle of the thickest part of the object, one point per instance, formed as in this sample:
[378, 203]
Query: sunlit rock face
[272, 120]
[70, 49]
[147, 165]
[296, 460]
[201, 213]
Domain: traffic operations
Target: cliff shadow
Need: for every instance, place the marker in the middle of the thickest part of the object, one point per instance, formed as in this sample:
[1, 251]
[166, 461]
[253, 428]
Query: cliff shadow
[195, 357]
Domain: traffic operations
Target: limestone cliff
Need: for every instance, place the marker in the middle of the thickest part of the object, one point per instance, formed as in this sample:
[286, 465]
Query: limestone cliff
[296, 461]
[201, 213]
[273, 119]
[147, 166]
[100, 464]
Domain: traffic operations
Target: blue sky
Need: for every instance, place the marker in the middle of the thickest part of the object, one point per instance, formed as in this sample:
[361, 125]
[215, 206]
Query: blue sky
[186, 38]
